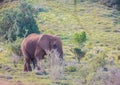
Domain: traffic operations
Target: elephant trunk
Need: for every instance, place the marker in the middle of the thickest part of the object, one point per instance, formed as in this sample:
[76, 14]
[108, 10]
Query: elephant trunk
[60, 51]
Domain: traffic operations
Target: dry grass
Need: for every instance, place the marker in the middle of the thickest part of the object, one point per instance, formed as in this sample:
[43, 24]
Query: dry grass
[106, 76]
[56, 65]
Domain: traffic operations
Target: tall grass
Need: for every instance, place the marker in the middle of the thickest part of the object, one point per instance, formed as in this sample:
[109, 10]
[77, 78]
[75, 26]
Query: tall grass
[56, 66]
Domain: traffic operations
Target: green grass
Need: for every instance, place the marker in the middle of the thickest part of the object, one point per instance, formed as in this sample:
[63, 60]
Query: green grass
[62, 20]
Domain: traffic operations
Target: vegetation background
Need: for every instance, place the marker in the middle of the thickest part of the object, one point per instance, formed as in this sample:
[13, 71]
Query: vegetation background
[89, 30]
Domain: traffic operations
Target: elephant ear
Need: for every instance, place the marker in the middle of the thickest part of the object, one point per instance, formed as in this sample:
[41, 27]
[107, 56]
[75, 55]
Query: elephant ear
[44, 42]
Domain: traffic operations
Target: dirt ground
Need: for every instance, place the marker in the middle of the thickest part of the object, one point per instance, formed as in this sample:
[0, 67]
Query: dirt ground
[7, 82]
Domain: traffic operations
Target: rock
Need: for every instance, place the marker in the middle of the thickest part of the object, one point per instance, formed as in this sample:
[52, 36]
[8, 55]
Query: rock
[41, 72]
[6, 76]
[116, 31]
[7, 68]
[105, 69]
[108, 30]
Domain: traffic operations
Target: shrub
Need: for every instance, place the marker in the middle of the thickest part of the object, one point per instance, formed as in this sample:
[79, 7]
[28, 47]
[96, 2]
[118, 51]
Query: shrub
[15, 46]
[80, 38]
[15, 52]
[102, 77]
[19, 22]
[78, 53]
[70, 69]
[111, 3]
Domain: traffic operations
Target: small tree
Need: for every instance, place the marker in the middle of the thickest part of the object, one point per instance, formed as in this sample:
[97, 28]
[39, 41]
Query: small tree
[80, 39]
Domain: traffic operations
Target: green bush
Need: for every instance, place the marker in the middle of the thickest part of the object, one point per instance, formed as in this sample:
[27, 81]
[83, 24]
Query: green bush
[70, 69]
[15, 46]
[18, 22]
[111, 3]
[80, 38]
[78, 53]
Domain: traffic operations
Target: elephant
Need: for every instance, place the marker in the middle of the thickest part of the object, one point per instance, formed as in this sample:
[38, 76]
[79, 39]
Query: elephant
[35, 46]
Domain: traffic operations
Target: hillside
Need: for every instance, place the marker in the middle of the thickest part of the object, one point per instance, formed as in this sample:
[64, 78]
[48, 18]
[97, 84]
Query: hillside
[101, 63]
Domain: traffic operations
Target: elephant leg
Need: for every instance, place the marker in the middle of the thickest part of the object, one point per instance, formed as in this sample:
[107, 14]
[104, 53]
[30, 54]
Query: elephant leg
[37, 58]
[27, 66]
[38, 64]
[39, 55]
[34, 63]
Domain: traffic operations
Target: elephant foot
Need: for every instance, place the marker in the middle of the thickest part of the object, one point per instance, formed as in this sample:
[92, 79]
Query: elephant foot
[27, 68]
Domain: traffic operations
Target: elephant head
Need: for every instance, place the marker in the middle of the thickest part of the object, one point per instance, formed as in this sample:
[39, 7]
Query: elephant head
[48, 42]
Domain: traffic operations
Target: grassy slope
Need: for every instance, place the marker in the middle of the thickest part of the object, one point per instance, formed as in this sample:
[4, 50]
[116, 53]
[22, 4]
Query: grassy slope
[93, 18]
[63, 21]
